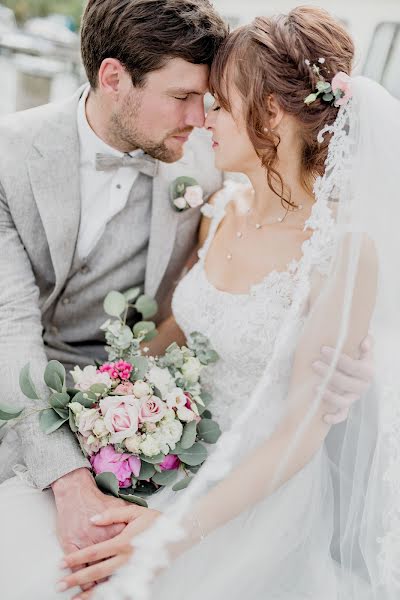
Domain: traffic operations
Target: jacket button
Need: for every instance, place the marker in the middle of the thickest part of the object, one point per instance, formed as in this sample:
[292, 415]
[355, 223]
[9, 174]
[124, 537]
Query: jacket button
[66, 301]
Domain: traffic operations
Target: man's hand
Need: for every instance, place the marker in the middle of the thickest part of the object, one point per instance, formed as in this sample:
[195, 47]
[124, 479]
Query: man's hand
[350, 381]
[77, 500]
[100, 561]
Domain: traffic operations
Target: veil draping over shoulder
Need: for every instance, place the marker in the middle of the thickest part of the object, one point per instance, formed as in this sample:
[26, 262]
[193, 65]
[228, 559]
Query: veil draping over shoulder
[341, 490]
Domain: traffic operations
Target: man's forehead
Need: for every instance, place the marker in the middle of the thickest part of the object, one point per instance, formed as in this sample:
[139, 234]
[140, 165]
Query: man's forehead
[182, 77]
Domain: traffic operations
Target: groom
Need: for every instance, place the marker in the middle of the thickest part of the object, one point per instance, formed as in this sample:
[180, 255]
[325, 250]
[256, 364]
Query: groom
[84, 208]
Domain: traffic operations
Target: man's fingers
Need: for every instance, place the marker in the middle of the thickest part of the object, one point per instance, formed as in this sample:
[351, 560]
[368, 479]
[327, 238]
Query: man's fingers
[93, 573]
[84, 595]
[339, 417]
[361, 369]
[122, 514]
[339, 381]
[338, 401]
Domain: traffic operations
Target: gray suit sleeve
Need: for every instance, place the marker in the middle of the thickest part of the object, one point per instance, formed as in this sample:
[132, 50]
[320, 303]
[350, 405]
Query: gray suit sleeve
[47, 457]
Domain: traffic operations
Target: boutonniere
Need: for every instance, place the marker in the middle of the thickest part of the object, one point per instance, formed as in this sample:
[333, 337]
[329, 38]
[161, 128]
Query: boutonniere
[185, 193]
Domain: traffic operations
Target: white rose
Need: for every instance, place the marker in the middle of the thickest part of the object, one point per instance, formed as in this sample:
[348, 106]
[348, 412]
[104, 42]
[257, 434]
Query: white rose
[76, 407]
[194, 195]
[172, 430]
[141, 389]
[176, 398]
[161, 379]
[169, 416]
[85, 420]
[132, 444]
[149, 446]
[185, 414]
[88, 377]
[99, 428]
[180, 203]
[191, 369]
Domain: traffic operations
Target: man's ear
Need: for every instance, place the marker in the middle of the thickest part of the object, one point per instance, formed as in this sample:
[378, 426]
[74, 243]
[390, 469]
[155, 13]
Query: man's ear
[111, 77]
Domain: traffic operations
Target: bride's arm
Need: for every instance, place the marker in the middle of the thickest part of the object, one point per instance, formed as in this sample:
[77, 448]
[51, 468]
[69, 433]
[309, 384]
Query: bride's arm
[169, 331]
[258, 471]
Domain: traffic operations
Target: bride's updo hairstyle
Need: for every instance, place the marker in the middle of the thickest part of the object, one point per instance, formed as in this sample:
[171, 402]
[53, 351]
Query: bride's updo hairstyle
[275, 55]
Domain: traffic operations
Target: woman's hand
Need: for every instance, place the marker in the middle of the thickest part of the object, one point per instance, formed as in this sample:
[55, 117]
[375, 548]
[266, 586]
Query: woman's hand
[112, 553]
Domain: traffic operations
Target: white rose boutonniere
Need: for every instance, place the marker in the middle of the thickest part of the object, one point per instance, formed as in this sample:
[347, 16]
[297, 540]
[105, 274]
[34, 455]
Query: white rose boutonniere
[185, 193]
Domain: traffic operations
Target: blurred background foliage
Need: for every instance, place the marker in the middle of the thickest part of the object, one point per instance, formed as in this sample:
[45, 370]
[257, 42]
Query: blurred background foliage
[27, 9]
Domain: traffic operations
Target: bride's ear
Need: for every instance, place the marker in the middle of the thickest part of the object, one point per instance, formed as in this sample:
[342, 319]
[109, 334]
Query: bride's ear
[274, 114]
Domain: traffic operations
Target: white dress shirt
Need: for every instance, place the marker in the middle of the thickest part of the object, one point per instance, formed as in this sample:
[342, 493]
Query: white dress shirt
[103, 193]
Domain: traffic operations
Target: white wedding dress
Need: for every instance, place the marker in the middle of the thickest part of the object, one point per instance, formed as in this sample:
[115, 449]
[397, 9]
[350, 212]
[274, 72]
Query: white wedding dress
[242, 328]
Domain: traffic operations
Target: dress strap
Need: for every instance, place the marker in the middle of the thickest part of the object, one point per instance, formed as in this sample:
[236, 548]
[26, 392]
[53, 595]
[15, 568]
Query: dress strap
[216, 212]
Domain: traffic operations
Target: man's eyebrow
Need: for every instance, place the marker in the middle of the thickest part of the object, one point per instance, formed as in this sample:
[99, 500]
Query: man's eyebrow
[185, 91]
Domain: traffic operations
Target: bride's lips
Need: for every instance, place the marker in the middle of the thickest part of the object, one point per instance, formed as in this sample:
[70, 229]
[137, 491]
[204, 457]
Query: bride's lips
[214, 144]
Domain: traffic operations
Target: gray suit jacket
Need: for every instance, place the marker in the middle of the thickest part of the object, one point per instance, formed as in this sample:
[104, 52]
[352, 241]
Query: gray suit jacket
[39, 223]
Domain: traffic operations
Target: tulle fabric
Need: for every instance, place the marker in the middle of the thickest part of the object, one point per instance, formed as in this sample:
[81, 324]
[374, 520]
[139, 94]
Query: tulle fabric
[332, 530]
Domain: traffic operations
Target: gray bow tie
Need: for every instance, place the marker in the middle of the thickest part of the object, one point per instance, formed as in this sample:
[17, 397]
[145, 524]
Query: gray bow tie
[142, 162]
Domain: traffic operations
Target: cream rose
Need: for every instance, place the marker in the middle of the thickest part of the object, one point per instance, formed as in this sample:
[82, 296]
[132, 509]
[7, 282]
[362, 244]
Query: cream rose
[121, 416]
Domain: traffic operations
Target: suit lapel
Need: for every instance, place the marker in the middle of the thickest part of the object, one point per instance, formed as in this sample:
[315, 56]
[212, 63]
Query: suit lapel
[164, 222]
[54, 174]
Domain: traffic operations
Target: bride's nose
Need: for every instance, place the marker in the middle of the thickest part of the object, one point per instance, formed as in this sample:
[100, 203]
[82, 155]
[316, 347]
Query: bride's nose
[209, 122]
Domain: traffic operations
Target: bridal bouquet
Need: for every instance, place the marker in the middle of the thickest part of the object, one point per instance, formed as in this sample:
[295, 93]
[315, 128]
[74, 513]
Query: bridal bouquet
[140, 420]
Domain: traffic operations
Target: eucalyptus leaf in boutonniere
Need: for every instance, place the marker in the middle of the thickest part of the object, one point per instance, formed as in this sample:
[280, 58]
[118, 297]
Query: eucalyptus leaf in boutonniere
[185, 193]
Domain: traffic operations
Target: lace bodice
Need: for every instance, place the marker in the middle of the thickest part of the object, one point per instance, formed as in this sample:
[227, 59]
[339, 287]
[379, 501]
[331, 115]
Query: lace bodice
[242, 328]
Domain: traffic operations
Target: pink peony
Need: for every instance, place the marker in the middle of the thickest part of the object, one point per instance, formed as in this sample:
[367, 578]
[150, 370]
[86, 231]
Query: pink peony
[122, 465]
[342, 82]
[121, 416]
[170, 463]
[152, 410]
[124, 389]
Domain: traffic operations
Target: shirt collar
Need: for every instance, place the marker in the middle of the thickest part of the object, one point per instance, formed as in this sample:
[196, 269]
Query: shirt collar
[90, 143]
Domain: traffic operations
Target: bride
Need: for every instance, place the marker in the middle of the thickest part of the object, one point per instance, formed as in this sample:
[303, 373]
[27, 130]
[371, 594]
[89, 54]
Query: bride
[302, 257]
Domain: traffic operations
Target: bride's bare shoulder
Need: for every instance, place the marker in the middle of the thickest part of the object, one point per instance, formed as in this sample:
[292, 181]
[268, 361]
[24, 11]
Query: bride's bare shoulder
[233, 199]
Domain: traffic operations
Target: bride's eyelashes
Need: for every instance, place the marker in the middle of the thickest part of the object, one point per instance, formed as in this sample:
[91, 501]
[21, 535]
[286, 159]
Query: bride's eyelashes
[181, 98]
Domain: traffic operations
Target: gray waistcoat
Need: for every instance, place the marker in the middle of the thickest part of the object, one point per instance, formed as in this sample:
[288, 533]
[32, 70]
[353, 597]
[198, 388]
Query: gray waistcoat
[118, 262]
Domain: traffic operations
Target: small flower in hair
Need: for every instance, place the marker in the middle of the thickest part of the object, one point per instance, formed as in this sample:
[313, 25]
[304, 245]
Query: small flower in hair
[336, 93]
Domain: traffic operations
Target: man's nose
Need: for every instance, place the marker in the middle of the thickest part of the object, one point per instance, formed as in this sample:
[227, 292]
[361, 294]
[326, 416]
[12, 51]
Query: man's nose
[195, 116]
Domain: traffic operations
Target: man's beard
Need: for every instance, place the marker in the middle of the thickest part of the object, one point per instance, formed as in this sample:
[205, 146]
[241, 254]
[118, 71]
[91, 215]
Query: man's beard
[123, 130]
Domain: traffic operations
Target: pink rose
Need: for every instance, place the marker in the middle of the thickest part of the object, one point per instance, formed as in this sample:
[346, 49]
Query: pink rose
[170, 463]
[124, 389]
[122, 465]
[121, 416]
[152, 410]
[194, 195]
[342, 82]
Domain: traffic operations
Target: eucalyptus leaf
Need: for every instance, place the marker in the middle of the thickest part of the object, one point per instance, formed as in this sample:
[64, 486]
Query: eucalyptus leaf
[59, 400]
[141, 365]
[166, 477]
[134, 499]
[142, 328]
[26, 383]
[50, 421]
[98, 388]
[107, 483]
[132, 294]
[189, 435]
[71, 420]
[87, 399]
[150, 335]
[6, 414]
[182, 484]
[115, 304]
[54, 376]
[206, 414]
[209, 431]
[147, 471]
[147, 306]
[194, 456]
[154, 460]
[63, 413]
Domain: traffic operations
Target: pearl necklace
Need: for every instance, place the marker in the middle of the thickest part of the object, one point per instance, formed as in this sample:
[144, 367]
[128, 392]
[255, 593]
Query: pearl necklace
[258, 226]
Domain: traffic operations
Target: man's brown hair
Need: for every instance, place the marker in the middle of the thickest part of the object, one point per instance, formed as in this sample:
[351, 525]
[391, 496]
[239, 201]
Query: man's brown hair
[144, 34]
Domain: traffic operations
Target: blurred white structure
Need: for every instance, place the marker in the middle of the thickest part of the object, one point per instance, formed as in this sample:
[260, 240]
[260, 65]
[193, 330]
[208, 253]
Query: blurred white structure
[374, 25]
